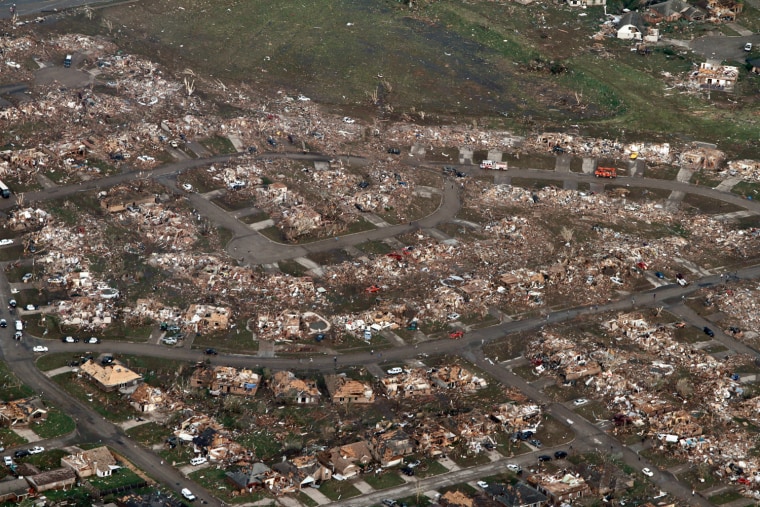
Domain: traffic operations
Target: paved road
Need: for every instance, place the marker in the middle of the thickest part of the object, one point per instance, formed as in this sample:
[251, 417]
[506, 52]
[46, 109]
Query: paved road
[257, 249]
[724, 48]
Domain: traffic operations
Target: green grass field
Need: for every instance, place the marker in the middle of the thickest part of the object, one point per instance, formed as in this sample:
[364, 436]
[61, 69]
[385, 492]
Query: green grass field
[505, 65]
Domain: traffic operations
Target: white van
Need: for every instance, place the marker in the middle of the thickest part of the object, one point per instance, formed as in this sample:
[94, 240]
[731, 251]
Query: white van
[188, 494]
[200, 460]
[19, 325]
[395, 371]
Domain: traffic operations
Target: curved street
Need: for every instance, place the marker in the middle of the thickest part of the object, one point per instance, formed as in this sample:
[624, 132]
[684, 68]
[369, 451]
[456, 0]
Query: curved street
[253, 248]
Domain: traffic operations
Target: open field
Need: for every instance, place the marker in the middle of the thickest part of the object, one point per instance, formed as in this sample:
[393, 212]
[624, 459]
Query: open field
[501, 66]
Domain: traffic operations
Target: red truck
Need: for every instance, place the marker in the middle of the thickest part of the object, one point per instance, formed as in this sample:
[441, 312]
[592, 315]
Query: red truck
[605, 172]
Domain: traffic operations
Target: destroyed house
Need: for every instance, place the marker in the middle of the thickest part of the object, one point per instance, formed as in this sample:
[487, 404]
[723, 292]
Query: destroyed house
[99, 462]
[147, 398]
[456, 498]
[673, 10]
[725, 9]
[14, 490]
[206, 318]
[111, 377]
[390, 447]
[560, 490]
[258, 476]
[631, 26]
[345, 390]
[226, 380]
[303, 471]
[586, 3]
[451, 377]
[407, 384]
[346, 461]
[754, 65]
[119, 199]
[518, 494]
[580, 369]
[60, 478]
[714, 76]
[605, 478]
[514, 417]
[287, 387]
[432, 439]
[22, 412]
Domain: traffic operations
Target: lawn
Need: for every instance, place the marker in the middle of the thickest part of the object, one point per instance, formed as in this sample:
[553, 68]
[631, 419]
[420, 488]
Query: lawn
[121, 478]
[149, 434]
[48, 460]
[109, 405]
[338, 490]
[387, 479]
[214, 479]
[237, 340]
[56, 425]
[9, 438]
[12, 388]
[726, 497]
[429, 468]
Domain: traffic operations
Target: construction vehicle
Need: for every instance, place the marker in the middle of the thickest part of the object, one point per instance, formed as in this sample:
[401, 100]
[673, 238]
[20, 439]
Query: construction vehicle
[605, 172]
[496, 166]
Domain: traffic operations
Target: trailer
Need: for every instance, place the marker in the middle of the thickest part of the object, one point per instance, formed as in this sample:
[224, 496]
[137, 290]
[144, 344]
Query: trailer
[496, 166]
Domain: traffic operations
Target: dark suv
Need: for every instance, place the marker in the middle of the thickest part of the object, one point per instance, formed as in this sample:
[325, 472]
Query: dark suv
[709, 332]
[21, 453]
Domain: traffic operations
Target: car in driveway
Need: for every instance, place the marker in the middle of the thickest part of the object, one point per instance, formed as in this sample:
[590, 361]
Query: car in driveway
[535, 443]
[389, 502]
[580, 402]
[36, 450]
[647, 472]
[26, 277]
[407, 471]
[7, 460]
[482, 484]
[709, 332]
[30, 308]
[39, 348]
[659, 275]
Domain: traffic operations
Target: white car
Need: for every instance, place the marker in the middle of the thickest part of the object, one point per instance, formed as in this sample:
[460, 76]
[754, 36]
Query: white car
[39, 348]
[36, 450]
[30, 308]
[580, 402]
[92, 339]
[7, 460]
[187, 187]
[453, 316]
[748, 47]
[395, 371]
[170, 341]
[200, 460]
[514, 468]
[26, 277]
[647, 472]
[346, 119]
[188, 494]
[482, 484]
[4, 242]
[69, 339]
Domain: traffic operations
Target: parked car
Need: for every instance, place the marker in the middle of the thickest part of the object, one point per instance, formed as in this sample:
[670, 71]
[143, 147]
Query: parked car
[647, 472]
[709, 332]
[189, 496]
[211, 352]
[407, 471]
[199, 460]
[395, 371]
[544, 457]
[346, 119]
[748, 47]
[39, 348]
[535, 443]
[4, 242]
[21, 453]
[12, 303]
[187, 187]
[659, 275]
[3, 323]
[389, 502]
[169, 340]
[560, 455]
[26, 277]
[7, 460]
[92, 339]
[394, 151]
[514, 468]
[413, 464]
[482, 484]
[580, 402]
[69, 339]
[36, 450]
[30, 308]
[106, 360]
